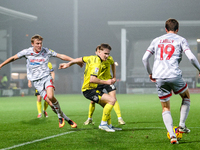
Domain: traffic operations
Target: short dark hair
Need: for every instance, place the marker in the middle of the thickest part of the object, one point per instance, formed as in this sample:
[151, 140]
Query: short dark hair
[171, 24]
[98, 47]
[104, 45]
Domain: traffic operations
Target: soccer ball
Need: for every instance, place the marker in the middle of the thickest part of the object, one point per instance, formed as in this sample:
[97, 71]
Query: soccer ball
[178, 135]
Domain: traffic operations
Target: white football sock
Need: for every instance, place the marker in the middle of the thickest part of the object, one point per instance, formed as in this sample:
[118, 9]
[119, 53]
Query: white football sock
[103, 122]
[167, 119]
[185, 108]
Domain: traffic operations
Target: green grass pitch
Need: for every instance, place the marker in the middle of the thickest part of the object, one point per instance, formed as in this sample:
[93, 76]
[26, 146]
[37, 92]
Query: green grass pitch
[20, 128]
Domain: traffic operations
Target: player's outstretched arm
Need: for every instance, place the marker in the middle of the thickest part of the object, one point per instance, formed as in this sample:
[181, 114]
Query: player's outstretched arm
[67, 58]
[146, 63]
[11, 59]
[192, 59]
[94, 79]
[113, 66]
[64, 57]
[74, 61]
[64, 66]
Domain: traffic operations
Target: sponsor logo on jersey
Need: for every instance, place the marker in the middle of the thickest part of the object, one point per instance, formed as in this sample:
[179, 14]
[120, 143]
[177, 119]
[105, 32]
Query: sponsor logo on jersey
[96, 70]
[37, 60]
[34, 63]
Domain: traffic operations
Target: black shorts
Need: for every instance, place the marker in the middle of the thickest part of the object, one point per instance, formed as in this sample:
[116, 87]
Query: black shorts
[93, 95]
[108, 88]
[36, 92]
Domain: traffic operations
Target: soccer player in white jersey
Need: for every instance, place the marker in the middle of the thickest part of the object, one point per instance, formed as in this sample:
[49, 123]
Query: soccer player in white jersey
[39, 97]
[167, 50]
[37, 58]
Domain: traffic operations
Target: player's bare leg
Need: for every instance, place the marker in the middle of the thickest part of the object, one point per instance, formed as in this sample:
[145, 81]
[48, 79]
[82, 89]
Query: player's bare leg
[56, 105]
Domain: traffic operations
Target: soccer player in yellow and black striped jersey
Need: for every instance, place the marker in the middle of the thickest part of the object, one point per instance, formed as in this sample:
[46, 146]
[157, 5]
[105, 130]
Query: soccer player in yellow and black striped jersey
[89, 88]
[39, 98]
[105, 74]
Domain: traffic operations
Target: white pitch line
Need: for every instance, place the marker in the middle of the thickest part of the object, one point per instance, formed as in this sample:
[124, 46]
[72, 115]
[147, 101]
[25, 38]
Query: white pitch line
[75, 131]
[50, 137]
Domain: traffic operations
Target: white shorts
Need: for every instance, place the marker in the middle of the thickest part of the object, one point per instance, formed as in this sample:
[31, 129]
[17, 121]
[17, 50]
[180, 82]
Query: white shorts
[166, 86]
[42, 84]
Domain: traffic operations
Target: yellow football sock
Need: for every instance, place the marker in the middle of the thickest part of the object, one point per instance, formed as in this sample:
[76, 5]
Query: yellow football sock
[91, 110]
[106, 112]
[109, 119]
[45, 105]
[117, 109]
[39, 107]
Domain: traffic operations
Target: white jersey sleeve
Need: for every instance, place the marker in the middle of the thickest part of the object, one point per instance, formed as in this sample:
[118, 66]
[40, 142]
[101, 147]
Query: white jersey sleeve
[23, 53]
[146, 63]
[192, 59]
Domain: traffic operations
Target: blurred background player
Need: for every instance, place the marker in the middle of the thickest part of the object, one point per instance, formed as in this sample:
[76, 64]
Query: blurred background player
[37, 58]
[167, 75]
[110, 89]
[39, 98]
[91, 81]
[4, 82]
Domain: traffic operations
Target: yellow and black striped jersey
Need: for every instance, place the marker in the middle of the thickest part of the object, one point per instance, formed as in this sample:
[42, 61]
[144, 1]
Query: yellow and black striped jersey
[93, 67]
[105, 69]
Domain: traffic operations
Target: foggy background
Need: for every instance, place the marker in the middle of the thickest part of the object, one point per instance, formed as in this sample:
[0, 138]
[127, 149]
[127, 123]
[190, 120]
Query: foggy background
[55, 24]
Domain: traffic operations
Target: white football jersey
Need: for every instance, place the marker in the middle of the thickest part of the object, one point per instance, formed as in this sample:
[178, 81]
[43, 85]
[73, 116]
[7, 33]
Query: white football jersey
[167, 50]
[37, 63]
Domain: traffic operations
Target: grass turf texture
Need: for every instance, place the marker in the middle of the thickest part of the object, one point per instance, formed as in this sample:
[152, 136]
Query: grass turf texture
[144, 127]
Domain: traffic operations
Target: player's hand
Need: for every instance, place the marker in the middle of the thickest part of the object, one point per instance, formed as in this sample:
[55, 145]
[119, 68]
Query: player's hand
[152, 80]
[29, 84]
[63, 65]
[110, 81]
[114, 80]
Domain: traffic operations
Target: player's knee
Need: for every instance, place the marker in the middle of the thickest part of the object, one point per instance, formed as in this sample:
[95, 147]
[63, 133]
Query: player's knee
[185, 94]
[50, 97]
[113, 100]
[165, 109]
[49, 102]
